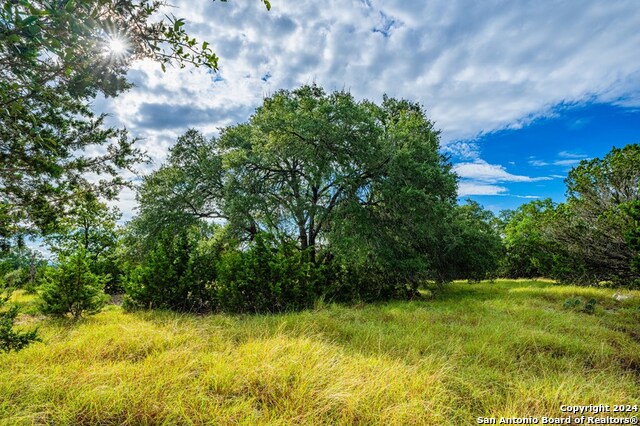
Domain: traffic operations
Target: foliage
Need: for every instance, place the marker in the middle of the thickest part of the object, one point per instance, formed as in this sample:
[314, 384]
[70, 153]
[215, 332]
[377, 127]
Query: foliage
[528, 251]
[179, 193]
[589, 239]
[52, 64]
[89, 223]
[632, 236]
[354, 185]
[276, 174]
[394, 224]
[20, 267]
[267, 277]
[71, 287]
[55, 57]
[575, 304]
[110, 264]
[194, 269]
[596, 225]
[11, 339]
[177, 272]
[92, 225]
[475, 247]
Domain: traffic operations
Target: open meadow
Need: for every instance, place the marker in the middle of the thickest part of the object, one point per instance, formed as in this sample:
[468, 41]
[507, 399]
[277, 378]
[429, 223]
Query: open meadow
[508, 348]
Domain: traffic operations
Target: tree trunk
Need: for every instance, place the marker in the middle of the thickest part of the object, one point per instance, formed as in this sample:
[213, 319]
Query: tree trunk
[312, 243]
[32, 270]
[302, 236]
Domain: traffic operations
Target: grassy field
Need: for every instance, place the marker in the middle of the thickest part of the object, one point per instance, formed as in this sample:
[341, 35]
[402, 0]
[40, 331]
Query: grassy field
[507, 348]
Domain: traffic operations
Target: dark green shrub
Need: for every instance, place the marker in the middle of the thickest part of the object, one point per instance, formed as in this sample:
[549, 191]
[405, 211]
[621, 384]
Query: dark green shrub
[632, 237]
[590, 306]
[10, 339]
[176, 274]
[107, 264]
[572, 303]
[72, 288]
[267, 277]
[364, 282]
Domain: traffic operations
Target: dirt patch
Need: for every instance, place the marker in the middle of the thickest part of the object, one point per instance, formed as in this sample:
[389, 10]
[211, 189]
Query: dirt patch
[116, 299]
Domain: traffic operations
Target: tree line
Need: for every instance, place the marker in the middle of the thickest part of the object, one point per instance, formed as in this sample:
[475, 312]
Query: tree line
[320, 196]
[590, 239]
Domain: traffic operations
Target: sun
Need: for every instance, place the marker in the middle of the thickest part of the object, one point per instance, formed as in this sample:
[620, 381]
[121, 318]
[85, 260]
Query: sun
[116, 47]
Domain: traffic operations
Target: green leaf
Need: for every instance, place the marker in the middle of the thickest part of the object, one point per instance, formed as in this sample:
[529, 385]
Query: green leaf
[70, 5]
[177, 24]
[30, 20]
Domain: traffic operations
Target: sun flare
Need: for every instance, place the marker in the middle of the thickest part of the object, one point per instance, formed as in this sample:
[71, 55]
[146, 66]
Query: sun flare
[116, 47]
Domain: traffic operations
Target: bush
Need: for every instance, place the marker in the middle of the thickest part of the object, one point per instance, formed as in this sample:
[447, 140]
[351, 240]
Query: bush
[10, 339]
[17, 278]
[17, 266]
[108, 265]
[365, 282]
[72, 288]
[175, 274]
[267, 277]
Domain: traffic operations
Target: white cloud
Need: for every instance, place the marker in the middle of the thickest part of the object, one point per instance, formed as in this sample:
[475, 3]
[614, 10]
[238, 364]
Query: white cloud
[481, 178]
[126, 203]
[565, 159]
[482, 171]
[462, 149]
[568, 154]
[476, 67]
[475, 188]
[528, 197]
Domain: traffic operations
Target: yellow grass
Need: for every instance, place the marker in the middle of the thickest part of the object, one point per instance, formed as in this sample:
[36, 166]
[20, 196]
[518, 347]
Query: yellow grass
[490, 350]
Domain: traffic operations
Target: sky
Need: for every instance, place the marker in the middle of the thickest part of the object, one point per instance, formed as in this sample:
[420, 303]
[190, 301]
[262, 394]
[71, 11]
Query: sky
[522, 91]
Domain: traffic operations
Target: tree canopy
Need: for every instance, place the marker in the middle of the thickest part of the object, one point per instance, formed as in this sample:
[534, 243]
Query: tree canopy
[529, 253]
[303, 156]
[347, 182]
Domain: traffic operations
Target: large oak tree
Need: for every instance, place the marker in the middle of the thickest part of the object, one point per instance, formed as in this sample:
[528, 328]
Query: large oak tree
[338, 177]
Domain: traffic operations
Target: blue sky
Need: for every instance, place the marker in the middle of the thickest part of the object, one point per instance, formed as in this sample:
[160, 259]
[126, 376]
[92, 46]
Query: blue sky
[520, 90]
[533, 161]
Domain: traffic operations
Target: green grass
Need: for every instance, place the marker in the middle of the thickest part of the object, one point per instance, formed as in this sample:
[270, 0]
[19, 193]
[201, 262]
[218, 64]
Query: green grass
[502, 349]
